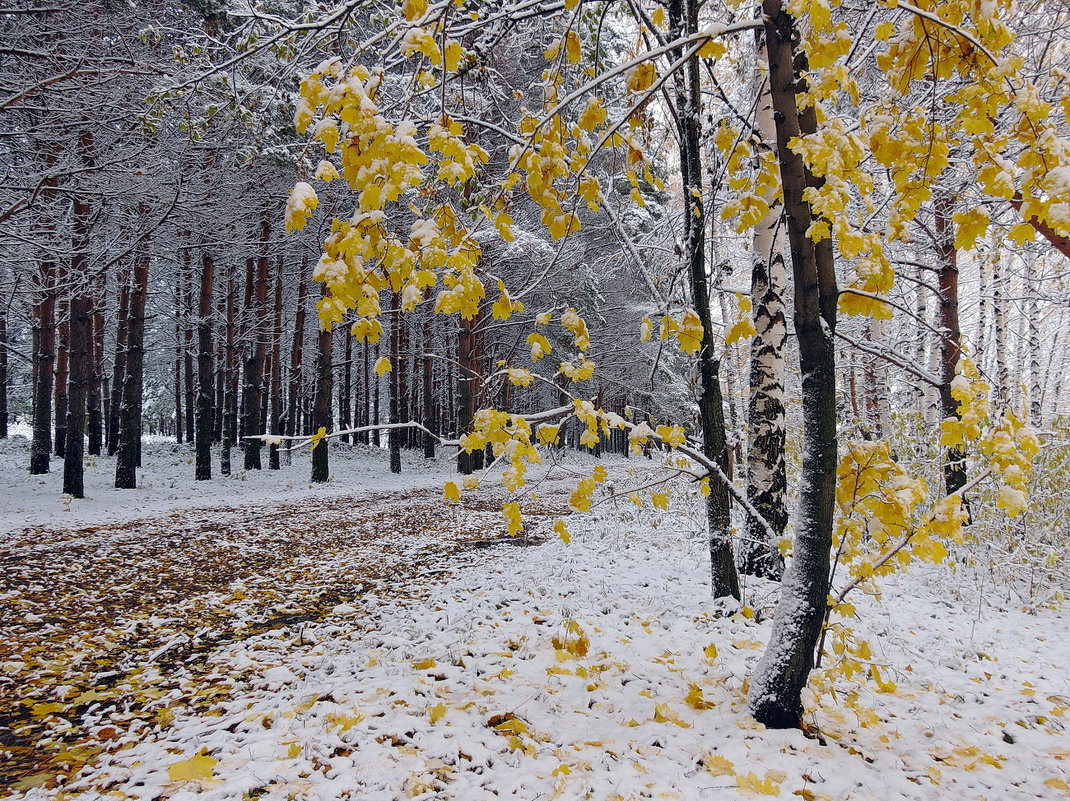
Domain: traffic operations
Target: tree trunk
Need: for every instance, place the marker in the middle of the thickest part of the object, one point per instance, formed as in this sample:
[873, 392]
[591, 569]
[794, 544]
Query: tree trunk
[276, 371]
[293, 406]
[186, 301]
[345, 389]
[683, 19]
[205, 387]
[80, 333]
[44, 347]
[62, 366]
[230, 377]
[776, 686]
[766, 472]
[122, 314]
[254, 360]
[321, 412]
[130, 408]
[3, 372]
[94, 401]
[950, 339]
[43, 336]
[395, 382]
[429, 410]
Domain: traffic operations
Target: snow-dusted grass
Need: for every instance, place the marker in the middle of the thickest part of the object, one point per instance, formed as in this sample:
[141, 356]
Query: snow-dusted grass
[585, 671]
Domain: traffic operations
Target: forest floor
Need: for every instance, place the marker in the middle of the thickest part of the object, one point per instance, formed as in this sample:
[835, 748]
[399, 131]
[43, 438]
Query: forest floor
[258, 637]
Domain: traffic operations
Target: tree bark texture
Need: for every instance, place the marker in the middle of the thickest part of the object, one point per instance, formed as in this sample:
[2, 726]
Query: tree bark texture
[766, 471]
[321, 410]
[683, 19]
[130, 407]
[205, 385]
[776, 686]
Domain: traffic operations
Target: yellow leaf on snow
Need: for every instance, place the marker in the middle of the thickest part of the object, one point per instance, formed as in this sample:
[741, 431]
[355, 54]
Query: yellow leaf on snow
[696, 700]
[718, 765]
[198, 768]
[436, 713]
[663, 714]
[451, 492]
[750, 784]
[563, 532]
[424, 664]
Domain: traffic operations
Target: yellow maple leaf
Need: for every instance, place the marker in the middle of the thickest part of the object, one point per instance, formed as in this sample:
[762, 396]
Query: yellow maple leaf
[710, 651]
[563, 532]
[660, 500]
[424, 664]
[513, 518]
[696, 700]
[197, 768]
[750, 784]
[436, 713]
[718, 765]
[663, 714]
[383, 366]
[451, 492]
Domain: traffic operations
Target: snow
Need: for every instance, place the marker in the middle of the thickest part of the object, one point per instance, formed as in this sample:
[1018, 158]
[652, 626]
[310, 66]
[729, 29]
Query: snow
[564, 671]
[166, 484]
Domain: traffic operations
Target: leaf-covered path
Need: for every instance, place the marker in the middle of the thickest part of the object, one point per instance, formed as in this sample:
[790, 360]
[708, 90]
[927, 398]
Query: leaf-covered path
[100, 623]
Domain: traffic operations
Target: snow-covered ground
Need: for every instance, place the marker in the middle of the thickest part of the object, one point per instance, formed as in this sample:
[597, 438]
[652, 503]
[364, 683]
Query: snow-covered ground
[166, 483]
[592, 669]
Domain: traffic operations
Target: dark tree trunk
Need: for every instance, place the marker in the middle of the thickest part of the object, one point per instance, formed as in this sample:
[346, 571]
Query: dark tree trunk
[180, 417]
[683, 19]
[186, 310]
[321, 411]
[43, 337]
[276, 372]
[376, 441]
[220, 365]
[3, 372]
[80, 335]
[345, 389]
[130, 407]
[254, 360]
[429, 410]
[44, 347]
[293, 405]
[122, 315]
[778, 681]
[62, 368]
[203, 469]
[229, 378]
[94, 401]
[395, 382]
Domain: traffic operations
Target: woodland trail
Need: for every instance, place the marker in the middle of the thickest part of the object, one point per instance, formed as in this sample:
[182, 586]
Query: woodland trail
[106, 629]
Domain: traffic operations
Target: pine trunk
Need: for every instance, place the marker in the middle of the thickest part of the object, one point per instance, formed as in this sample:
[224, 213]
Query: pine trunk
[44, 347]
[205, 386]
[95, 400]
[321, 411]
[81, 332]
[62, 367]
[129, 436]
[275, 422]
[395, 382]
[257, 352]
